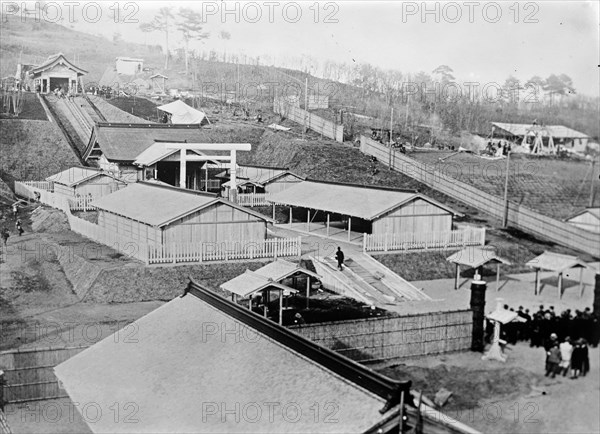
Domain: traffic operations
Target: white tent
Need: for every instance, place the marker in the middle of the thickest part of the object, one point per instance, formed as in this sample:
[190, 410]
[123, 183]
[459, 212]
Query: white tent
[181, 113]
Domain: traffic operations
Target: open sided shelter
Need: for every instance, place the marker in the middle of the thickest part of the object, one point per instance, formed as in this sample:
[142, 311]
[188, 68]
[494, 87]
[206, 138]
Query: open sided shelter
[85, 181]
[159, 215]
[202, 363]
[557, 263]
[368, 209]
[477, 257]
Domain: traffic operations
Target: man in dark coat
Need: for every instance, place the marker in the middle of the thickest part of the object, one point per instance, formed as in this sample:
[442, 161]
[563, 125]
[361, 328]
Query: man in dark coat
[339, 255]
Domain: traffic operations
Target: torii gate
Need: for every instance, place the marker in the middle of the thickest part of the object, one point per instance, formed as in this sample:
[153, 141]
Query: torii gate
[231, 147]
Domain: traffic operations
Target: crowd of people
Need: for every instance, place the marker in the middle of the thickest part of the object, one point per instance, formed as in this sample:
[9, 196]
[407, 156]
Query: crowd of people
[565, 337]
[537, 328]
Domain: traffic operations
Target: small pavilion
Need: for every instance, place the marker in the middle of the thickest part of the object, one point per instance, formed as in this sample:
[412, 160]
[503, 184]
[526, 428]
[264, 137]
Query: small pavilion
[557, 263]
[270, 277]
[476, 257]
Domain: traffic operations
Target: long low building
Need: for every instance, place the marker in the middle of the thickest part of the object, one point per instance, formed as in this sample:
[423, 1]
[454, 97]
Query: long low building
[158, 214]
[365, 209]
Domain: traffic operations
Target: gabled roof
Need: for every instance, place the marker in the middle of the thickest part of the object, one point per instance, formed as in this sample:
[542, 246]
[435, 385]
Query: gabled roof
[556, 131]
[77, 175]
[475, 257]
[56, 60]
[366, 202]
[157, 152]
[250, 283]
[594, 212]
[125, 142]
[158, 205]
[260, 175]
[158, 75]
[282, 269]
[556, 262]
[200, 354]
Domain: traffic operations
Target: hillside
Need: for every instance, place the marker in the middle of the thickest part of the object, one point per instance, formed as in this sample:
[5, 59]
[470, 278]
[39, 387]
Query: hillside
[26, 156]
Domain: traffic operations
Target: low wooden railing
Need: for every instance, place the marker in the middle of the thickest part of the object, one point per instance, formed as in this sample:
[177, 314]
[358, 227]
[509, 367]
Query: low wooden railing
[423, 240]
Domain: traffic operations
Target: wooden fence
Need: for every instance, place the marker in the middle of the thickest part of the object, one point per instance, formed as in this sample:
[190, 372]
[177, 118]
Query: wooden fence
[224, 251]
[81, 203]
[314, 122]
[518, 216]
[166, 253]
[253, 199]
[393, 338]
[29, 374]
[424, 240]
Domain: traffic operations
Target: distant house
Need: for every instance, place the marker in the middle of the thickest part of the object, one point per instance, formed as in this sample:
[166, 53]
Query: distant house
[262, 179]
[161, 215]
[588, 219]
[57, 72]
[159, 84]
[85, 181]
[129, 65]
[181, 113]
[539, 139]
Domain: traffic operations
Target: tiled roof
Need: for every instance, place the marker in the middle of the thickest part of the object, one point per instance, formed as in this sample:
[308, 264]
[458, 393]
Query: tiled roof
[124, 142]
[76, 175]
[475, 257]
[556, 262]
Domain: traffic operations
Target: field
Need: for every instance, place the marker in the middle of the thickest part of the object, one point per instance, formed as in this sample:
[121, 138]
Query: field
[552, 186]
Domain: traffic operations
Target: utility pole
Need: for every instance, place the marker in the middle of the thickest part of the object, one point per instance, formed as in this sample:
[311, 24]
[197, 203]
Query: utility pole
[505, 213]
[305, 106]
[390, 142]
[591, 204]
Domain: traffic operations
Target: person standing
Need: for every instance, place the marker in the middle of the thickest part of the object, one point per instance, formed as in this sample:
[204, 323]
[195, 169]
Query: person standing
[5, 235]
[553, 359]
[15, 208]
[566, 352]
[339, 255]
[19, 227]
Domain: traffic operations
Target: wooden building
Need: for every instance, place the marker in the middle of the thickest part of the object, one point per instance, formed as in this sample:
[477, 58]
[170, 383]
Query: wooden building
[364, 209]
[588, 219]
[85, 182]
[129, 65]
[57, 72]
[262, 179]
[159, 215]
[118, 148]
[538, 139]
[159, 84]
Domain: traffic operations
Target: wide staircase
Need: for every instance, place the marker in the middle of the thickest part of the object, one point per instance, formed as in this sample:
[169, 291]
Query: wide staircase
[73, 119]
[367, 280]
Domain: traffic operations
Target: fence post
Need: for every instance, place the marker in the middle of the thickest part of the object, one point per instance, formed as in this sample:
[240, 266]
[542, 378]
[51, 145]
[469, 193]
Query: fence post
[364, 242]
[482, 242]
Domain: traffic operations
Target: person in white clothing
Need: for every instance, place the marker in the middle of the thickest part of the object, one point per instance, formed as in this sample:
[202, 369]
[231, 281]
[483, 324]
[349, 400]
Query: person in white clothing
[566, 351]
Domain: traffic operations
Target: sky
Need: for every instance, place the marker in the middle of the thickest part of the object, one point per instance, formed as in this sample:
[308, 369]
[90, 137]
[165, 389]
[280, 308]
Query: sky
[481, 41]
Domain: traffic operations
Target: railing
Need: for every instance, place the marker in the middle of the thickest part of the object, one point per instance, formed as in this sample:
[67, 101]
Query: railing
[424, 240]
[253, 199]
[224, 251]
[40, 185]
[518, 216]
[81, 203]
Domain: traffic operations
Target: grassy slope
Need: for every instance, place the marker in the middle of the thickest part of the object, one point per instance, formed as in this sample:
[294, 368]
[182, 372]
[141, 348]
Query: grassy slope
[32, 150]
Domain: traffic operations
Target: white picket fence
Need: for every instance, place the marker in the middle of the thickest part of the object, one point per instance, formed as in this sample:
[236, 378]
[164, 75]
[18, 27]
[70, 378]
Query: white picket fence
[253, 199]
[224, 251]
[167, 253]
[424, 240]
[81, 203]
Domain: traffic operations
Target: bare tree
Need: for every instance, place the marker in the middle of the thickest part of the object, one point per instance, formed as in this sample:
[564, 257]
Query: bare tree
[224, 36]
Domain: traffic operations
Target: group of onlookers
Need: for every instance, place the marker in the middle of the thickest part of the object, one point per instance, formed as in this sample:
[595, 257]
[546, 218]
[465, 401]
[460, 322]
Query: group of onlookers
[567, 356]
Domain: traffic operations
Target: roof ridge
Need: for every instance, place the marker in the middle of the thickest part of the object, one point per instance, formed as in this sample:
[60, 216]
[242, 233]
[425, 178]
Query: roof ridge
[179, 189]
[148, 125]
[348, 369]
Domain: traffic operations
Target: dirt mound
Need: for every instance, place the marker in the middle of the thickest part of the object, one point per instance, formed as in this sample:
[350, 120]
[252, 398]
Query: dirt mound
[470, 387]
[49, 220]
